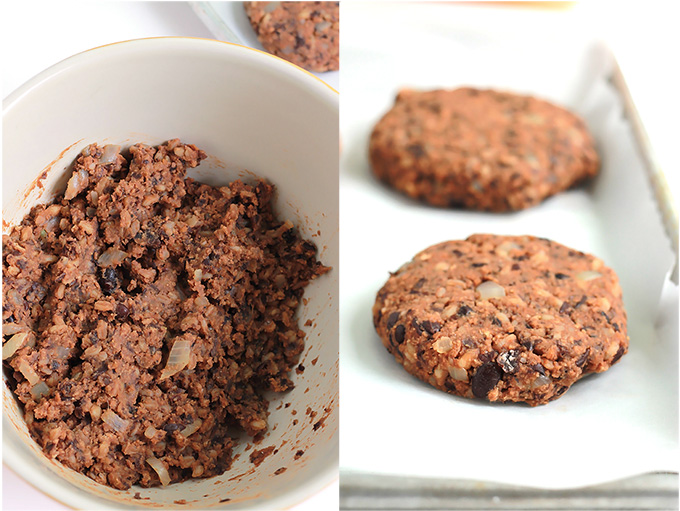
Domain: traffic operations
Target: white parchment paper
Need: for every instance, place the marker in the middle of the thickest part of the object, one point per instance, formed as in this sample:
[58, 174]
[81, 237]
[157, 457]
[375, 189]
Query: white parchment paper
[615, 424]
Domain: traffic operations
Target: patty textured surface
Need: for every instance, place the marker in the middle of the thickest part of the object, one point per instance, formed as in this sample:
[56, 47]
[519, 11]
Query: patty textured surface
[502, 318]
[304, 33]
[480, 149]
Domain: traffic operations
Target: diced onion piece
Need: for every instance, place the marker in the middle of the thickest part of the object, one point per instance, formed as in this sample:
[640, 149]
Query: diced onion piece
[91, 351]
[506, 247]
[112, 257]
[62, 352]
[47, 258]
[12, 328]
[28, 372]
[588, 275]
[113, 420]
[160, 469]
[458, 373]
[192, 428]
[150, 432]
[95, 411]
[258, 425]
[13, 344]
[443, 345]
[271, 6]
[110, 154]
[78, 182]
[178, 358]
[489, 289]
[39, 390]
[540, 380]
[201, 301]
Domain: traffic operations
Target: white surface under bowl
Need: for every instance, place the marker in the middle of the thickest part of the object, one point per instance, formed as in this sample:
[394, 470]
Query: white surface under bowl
[253, 114]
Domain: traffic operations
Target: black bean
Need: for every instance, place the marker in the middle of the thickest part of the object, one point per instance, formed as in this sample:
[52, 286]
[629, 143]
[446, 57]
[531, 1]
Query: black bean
[151, 239]
[469, 342]
[416, 150]
[392, 319]
[508, 361]
[432, 327]
[109, 281]
[421, 354]
[487, 356]
[434, 108]
[122, 312]
[539, 369]
[560, 391]
[561, 276]
[527, 343]
[485, 378]
[450, 384]
[66, 388]
[463, 310]
[583, 300]
[288, 236]
[619, 354]
[580, 362]
[399, 333]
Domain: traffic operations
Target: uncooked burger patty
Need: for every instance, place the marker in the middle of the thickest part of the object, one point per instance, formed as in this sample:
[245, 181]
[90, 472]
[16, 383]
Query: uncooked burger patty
[502, 318]
[145, 315]
[480, 149]
[304, 33]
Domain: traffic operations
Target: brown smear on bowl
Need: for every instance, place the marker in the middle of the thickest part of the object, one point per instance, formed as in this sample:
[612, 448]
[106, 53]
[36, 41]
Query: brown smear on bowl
[258, 456]
[37, 184]
[144, 315]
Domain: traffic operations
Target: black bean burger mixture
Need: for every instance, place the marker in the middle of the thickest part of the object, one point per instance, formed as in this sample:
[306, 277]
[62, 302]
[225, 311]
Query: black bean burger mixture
[145, 314]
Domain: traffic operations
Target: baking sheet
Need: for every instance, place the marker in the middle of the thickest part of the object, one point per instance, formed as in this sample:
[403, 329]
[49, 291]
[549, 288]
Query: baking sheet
[608, 426]
[228, 22]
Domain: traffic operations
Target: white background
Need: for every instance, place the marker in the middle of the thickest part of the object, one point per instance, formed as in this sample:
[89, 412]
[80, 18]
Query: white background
[36, 35]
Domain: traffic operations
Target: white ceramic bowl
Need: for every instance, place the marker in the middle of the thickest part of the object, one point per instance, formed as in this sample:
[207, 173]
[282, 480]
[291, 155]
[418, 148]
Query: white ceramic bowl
[252, 113]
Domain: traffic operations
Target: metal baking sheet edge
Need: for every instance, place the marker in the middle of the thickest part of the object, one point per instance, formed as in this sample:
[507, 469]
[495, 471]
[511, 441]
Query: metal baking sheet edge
[653, 491]
[662, 193]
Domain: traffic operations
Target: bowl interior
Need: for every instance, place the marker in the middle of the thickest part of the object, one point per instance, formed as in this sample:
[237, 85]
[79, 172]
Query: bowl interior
[254, 115]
